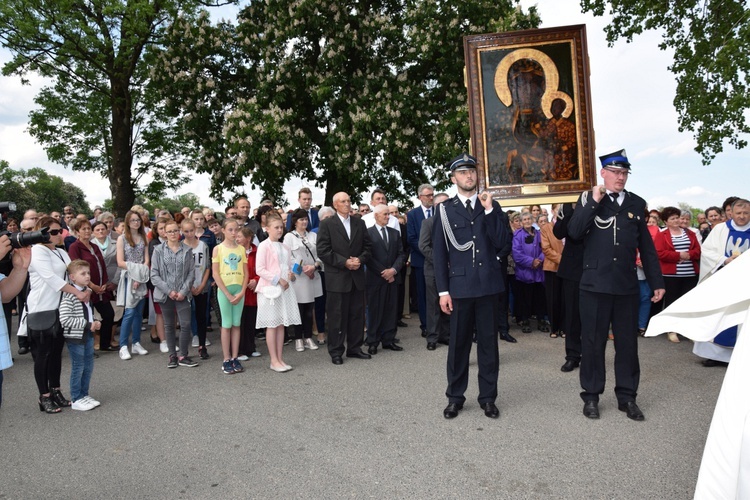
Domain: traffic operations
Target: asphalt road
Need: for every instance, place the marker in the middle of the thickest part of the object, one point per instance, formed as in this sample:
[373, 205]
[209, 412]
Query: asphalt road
[364, 429]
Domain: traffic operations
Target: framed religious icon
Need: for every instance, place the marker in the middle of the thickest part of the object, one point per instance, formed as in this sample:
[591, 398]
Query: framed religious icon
[530, 114]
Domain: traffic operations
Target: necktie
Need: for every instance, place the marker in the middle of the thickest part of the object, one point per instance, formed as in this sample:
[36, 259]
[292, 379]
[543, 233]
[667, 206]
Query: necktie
[429, 213]
[614, 196]
[385, 236]
[468, 207]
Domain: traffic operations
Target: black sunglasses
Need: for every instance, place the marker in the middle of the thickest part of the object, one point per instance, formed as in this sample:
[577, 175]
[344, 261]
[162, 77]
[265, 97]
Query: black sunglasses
[55, 232]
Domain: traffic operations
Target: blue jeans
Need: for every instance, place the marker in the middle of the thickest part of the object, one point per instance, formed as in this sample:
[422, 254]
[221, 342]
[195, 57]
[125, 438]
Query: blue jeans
[131, 323]
[81, 367]
[644, 306]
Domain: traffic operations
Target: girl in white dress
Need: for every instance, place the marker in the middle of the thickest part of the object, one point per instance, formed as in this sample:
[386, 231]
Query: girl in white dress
[273, 265]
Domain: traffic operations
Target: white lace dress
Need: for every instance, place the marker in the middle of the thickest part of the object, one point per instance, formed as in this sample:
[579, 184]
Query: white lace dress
[282, 310]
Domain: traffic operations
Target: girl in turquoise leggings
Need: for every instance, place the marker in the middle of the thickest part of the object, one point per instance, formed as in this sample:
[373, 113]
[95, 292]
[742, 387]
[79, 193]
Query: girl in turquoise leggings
[229, 263]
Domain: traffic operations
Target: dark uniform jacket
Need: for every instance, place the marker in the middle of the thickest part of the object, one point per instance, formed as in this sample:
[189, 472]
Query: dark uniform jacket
[571, 261]
[611, 242]
[474, 273]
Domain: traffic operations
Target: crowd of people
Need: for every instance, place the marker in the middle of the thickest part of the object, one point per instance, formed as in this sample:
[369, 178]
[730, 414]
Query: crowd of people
[333, 277]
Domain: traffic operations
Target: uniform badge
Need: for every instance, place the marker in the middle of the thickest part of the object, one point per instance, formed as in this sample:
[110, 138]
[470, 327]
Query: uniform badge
[630, 215]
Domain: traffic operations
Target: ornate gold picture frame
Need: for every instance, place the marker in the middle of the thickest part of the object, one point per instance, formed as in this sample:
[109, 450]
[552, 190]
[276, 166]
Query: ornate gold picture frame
[530, 114]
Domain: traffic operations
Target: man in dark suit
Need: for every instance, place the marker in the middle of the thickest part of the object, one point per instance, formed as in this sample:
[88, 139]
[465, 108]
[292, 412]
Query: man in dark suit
[344, 247]
[305, 203]
[438, 323]
[243, 213]
[611, 223]
[414, 219]
[468, 233]
[383, 272]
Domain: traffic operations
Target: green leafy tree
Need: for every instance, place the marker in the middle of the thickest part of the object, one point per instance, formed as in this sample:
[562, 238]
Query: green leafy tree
[37, 189]
[711, 42]
[340, 94]
[95, 115]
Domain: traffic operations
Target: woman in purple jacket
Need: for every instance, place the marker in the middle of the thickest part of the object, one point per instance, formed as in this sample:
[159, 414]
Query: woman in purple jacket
[528, 256]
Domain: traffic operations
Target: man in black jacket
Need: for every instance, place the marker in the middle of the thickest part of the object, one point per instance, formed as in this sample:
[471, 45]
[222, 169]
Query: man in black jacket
[611, 223]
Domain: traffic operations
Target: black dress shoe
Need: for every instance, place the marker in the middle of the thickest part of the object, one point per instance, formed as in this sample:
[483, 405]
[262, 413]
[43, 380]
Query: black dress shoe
[424, 334]
[393, 347]
[373, 349]
[336, 360]
[570, 365]
[431, 346]
[708, 363]
[490, 410]
[451, 411]
[591, 409]
[508, 338]
[358, 355]
[402, 324]
[23, 350]
[634, 413]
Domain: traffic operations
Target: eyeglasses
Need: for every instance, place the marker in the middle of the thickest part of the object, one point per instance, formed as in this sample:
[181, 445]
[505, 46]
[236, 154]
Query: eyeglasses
[428, 195]
[55, 232]
[173, 231]
[136, 220]
[618, 173]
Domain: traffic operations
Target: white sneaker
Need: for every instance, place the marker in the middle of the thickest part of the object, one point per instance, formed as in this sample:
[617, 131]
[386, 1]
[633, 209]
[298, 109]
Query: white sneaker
[138, 349]
[92, 401]
[255, 354]
[82, 404]
[124, 354]
[163, 347]
[243, 358]
[196, 342]
[299, 345]
[310, 344]
[208, 342]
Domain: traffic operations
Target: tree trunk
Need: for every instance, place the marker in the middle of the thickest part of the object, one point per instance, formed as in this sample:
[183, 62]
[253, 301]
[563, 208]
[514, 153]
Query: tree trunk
[123, 192]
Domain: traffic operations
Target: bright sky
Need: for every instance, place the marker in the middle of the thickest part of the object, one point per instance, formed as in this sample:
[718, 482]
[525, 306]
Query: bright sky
[632, 93]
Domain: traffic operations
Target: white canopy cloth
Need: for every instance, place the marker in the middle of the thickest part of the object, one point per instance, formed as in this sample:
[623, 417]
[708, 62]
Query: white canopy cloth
[714, 305]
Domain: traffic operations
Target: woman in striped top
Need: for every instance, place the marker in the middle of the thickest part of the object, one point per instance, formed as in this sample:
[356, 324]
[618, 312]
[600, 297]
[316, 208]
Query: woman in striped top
[679, 255]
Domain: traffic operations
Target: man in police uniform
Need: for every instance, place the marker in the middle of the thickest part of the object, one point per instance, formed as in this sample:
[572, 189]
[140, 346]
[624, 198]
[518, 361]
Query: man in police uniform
[611, 222]
[468, 232]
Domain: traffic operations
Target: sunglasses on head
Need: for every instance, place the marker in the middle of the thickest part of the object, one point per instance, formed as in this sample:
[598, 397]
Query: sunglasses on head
[55, 232]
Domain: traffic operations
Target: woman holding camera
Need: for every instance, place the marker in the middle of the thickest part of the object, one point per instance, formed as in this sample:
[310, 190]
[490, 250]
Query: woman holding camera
[48, 279]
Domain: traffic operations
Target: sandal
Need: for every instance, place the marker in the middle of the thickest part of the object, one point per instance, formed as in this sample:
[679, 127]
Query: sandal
[542, 326]
[525, 328]
[562, 335]
[642, 332]
[553, 335]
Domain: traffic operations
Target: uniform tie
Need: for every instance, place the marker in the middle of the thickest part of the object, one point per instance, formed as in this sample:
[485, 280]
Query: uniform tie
[468, 206]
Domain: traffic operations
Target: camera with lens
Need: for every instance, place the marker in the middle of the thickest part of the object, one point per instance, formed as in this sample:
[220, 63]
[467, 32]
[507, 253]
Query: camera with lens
[20, 239]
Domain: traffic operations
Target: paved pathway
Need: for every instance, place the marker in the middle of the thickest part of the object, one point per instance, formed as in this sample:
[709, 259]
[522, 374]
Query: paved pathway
[365, 429]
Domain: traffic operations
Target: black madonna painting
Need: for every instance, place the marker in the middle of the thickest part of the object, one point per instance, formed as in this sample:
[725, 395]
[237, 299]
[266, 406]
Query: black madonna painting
[530, 113]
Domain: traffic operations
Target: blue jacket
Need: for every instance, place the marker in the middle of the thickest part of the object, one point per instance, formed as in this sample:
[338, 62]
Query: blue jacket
[414, 219]
[524, 255]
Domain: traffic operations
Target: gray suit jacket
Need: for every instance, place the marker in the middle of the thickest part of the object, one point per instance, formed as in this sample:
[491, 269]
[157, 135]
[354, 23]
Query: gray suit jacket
[425, 246]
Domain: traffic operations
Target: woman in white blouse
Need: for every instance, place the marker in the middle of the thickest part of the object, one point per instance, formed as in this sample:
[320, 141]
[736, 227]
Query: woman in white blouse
[308, 285]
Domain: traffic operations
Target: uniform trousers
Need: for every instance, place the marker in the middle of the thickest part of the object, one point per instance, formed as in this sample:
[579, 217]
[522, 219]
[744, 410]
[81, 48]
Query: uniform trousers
[479, 312]
[346, 321]
[571, 323]
[598, 311]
